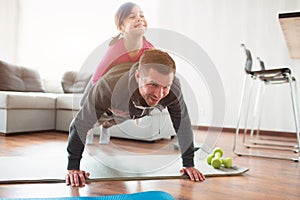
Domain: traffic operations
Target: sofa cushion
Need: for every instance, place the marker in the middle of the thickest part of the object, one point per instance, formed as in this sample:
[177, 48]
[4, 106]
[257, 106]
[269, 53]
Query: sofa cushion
[75, 82]
[16, 78]
[52, 85]
[68, 101]
[27, 100]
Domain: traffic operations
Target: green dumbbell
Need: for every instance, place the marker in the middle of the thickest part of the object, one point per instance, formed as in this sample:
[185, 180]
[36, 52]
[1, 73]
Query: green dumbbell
[209, 158]
[214, 159]
[227, 162]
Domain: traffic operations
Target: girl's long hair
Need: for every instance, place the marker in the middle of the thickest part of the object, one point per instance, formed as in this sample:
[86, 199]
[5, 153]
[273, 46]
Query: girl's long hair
[122, 13]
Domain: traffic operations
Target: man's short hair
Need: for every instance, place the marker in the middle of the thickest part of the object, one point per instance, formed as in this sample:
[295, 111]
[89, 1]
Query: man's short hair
[158, 60]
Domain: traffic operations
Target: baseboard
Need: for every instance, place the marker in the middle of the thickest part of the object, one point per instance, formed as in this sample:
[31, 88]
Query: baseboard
[262, 132]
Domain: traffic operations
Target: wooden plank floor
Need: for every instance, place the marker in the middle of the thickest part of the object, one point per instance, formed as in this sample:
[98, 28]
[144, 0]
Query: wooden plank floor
[266, 179]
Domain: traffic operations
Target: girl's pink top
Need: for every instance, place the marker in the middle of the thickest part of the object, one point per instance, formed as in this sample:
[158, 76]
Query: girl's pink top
[117, 54]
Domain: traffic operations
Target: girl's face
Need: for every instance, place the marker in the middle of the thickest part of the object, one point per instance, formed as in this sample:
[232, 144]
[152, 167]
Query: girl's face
[134, 22]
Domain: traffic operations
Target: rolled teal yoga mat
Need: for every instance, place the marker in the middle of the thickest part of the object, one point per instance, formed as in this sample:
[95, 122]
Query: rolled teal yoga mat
[151, 195]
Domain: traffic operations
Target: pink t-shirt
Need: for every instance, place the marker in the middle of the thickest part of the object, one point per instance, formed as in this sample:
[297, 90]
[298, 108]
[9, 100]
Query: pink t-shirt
[117, 54]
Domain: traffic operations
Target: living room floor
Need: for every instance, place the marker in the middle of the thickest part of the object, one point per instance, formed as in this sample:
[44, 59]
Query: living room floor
[266, 178]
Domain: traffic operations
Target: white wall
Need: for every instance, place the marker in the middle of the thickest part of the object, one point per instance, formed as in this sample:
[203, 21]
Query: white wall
[9, 22]
[55, 36]
[219, 27]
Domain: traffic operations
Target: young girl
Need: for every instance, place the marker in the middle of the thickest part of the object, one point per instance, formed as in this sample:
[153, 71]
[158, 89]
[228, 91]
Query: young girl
[130, 44]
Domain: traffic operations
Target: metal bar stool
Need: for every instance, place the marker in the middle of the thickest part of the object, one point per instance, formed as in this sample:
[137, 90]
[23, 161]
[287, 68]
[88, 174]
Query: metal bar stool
[259, 80]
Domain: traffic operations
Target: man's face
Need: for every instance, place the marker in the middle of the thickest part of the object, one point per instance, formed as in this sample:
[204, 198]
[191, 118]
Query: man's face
[154, 86]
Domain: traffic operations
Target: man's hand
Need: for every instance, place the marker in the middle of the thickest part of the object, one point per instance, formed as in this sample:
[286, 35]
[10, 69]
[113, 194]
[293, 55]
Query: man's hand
[76, 177]
[193, 173]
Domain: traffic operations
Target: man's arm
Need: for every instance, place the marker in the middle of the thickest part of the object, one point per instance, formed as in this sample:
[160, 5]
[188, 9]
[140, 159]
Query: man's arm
[181, 123]
[93, 107]
[83, 121]
[77, 136]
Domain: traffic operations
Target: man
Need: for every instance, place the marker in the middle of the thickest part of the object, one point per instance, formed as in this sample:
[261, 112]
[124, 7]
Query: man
[131, 91]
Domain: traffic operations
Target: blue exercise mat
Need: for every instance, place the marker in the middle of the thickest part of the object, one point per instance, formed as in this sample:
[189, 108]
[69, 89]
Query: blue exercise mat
[151, 195]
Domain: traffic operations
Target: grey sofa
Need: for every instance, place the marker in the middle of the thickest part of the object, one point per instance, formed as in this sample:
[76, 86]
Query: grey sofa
[26, 106]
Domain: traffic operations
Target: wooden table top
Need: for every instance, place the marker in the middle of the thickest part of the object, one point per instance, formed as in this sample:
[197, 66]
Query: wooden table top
[290, 25]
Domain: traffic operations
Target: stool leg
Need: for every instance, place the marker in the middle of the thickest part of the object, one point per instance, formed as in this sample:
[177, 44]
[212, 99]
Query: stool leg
[257, 105]
[295, 110]
[249, 105]
[240, 112]
[260, 110]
